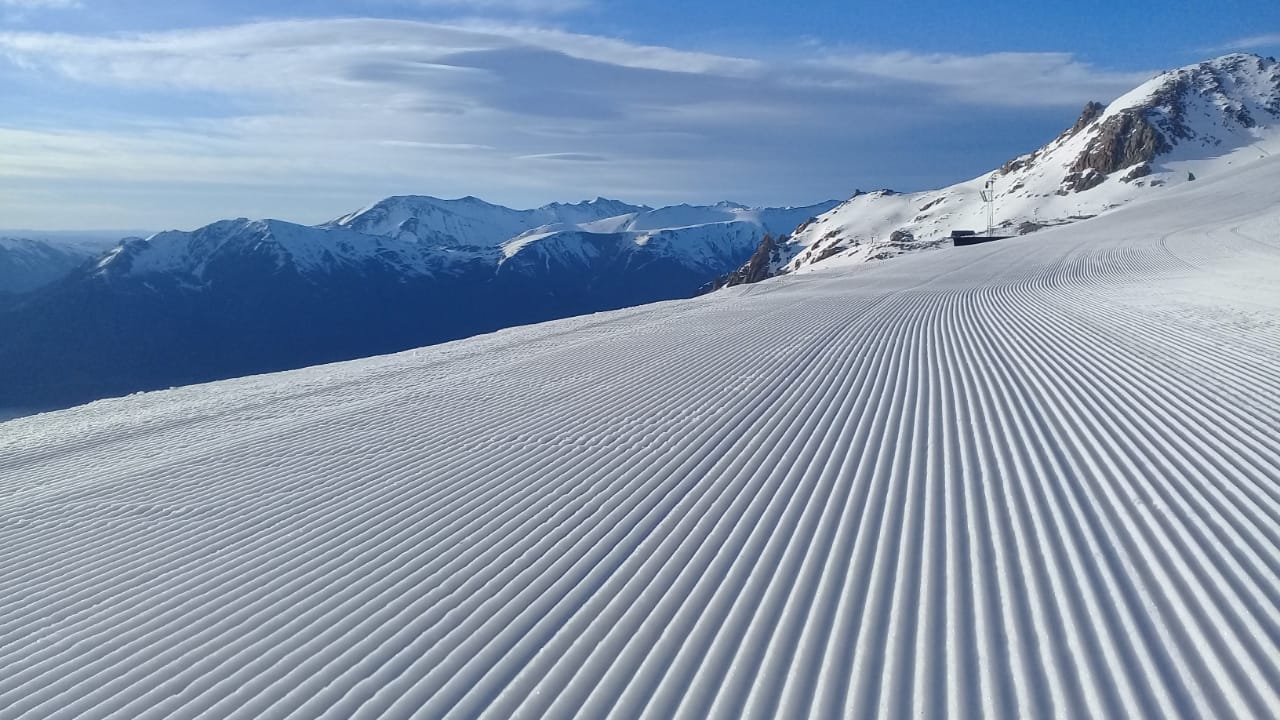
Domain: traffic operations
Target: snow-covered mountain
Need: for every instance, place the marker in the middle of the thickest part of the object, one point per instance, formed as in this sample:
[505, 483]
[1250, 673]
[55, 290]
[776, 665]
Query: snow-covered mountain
[242, 296]
[426, 236]
[286, 247]
[28, 263]
[1033, 479]
[470, 221]
[1195, 122]
[702, 236]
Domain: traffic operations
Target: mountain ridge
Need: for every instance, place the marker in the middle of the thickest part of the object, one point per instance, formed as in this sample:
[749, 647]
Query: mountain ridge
[1194, 121]
[245, 296]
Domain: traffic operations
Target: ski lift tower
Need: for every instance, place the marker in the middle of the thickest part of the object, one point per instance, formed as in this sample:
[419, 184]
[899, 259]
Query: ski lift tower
[989, 197]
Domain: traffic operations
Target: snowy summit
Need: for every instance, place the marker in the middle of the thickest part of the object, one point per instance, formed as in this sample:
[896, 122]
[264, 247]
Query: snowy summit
[1199, 121]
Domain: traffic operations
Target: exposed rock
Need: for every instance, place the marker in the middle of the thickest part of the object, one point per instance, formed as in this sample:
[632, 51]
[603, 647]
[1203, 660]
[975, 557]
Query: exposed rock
[756, 268]
[1123, 140]
[901, 236]
[1081, 180]
[1092, 111]
[1017, 164]
[1167, 109]
[805, 225]
[1139, 171]
[1137, 135]
[932, 203]
[1242, 116]
[828, 251]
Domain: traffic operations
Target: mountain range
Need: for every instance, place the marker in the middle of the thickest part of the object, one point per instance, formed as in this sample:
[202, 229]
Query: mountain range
[246, 296]
[31, 260]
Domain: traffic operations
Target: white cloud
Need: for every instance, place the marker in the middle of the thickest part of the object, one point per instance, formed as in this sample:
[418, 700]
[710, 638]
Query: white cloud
[1254, 42]
[516, 114]
[527, 7]
[1004, 79]
[565, 157]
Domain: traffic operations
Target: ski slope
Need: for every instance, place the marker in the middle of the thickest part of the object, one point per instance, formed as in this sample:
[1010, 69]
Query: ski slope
[1203, 120]
[1034, 478]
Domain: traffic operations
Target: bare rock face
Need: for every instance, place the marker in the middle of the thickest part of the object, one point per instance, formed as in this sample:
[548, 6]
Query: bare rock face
[1092, 111]
[1138, 171]
[1124, 140]
[757, 267]
[1132, 138]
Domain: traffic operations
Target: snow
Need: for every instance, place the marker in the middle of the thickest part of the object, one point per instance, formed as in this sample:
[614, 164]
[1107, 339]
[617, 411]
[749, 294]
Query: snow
[424, 235]
[700, 235]
[86, 242]
[471, 221]
[516, 244]
[773, 220]
[1034, 478]
[305, 248]
[1028, 190]
[36, 260]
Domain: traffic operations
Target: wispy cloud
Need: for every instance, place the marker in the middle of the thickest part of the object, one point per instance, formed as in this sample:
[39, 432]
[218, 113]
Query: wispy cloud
[384, 106]
[526, 7]
[1254, 42]
[567, 157]
[1006, 79]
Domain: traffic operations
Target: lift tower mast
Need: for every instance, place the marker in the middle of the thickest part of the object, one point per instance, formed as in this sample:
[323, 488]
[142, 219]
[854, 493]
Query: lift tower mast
[989, 197]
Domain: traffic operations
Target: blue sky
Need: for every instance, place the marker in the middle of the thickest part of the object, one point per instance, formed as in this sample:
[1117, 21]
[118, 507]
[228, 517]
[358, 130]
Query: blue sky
[136, 114]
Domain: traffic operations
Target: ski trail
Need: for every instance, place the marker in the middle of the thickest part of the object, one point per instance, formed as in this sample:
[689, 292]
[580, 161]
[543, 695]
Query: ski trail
[1034, 478]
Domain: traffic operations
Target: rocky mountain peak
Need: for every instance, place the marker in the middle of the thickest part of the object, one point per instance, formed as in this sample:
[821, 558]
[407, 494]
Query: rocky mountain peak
[1202, 104]
[1192, 122]
[1092, 111]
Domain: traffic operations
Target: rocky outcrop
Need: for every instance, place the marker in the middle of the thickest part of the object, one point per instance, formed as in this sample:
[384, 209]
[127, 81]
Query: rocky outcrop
[1138, 171]
[1122, 141]
[1137, 135]
[757, 268]
[1092, 111]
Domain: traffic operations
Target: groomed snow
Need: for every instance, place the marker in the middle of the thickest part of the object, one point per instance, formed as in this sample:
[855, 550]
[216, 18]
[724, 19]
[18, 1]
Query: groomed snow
[1035, 478]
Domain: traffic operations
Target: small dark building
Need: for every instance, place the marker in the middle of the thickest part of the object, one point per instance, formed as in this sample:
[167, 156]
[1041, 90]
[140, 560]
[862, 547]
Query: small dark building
[969, 237]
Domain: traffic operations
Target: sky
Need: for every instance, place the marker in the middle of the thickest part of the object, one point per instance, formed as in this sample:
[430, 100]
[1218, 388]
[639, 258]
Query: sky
[143, 115]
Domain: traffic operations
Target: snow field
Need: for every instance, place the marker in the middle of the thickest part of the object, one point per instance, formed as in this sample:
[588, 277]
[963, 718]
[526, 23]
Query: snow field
[1035, 478]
